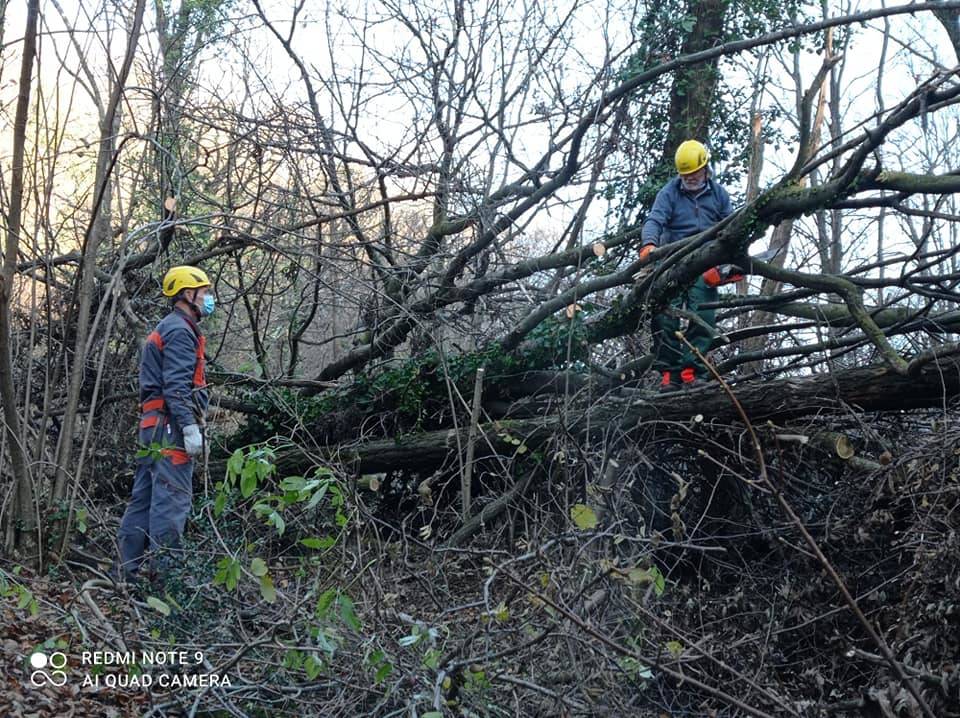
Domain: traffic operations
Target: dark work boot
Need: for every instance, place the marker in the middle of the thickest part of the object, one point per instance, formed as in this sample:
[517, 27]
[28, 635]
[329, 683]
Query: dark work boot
[126, 583]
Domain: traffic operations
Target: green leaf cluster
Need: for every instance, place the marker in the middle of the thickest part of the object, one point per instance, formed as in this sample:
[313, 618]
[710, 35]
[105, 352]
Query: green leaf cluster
[24, 597]
[249, 482]
[414, 390]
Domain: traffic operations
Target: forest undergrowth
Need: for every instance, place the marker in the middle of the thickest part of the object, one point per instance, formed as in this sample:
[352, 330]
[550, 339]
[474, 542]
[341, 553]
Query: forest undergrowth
[653, 575]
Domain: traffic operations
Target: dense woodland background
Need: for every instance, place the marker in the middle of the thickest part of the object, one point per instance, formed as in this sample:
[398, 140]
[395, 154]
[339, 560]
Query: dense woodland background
[442, 481]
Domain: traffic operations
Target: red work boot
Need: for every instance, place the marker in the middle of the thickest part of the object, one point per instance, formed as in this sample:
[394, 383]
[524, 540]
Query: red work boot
[667, 383]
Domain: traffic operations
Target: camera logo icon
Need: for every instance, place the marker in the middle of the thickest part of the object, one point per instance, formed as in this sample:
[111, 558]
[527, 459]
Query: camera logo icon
[55, 662]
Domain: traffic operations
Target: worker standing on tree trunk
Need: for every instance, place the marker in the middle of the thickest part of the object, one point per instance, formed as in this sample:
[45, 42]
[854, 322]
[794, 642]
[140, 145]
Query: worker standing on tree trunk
[687, 205]
[173, 400]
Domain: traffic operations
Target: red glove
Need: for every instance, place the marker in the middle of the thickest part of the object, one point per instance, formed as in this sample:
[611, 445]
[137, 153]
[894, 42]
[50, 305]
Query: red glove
[712, 277]
[645, 250]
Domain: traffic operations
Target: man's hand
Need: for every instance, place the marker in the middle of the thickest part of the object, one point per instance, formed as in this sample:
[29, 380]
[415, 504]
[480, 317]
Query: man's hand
[192, 440]
[645, 251]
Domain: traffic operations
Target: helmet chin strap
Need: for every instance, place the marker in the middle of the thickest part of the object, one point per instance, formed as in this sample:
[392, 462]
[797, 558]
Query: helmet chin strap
[193, 305]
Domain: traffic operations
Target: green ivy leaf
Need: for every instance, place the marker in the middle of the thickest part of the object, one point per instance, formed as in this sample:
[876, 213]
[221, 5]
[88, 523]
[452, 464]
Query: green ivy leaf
[25, 598]
[583, 517]
[267, 590]
[157, 605]
[312, 666]
[325, 602]
[263, 468]
[293, 483]
[235, 464]
[431, 659]
[293, 659]
[318, 495]
[258, 567]
[659, 582]
[228, 573]
[248, 480]
[347, 612]
[319, 544]
[233, 575]
[652, 575]
[382, 672]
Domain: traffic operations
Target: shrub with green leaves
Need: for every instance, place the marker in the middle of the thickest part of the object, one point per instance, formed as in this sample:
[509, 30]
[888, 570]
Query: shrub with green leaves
[250, 489]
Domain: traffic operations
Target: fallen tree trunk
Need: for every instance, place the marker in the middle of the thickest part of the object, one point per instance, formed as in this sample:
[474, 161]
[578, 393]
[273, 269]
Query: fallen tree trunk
[868, 389]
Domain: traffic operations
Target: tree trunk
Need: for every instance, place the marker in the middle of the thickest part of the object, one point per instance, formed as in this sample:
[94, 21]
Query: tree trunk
[25, 527]
[694, 86]
[950, 19]
[874, 388]
[98, 232]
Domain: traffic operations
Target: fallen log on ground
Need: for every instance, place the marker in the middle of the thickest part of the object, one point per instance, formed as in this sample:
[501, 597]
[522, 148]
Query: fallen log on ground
[865, 389]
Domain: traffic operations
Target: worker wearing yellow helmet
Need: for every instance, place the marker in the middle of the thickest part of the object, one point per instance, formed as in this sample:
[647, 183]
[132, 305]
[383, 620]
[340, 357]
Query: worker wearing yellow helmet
[173, 405]
[687, 205]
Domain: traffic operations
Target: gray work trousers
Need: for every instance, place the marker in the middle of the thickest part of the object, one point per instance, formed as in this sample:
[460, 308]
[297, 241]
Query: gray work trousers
[160, 502]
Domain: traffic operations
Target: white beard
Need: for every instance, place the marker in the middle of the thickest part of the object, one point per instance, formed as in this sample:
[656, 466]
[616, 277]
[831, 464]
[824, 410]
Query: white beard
[693, 186]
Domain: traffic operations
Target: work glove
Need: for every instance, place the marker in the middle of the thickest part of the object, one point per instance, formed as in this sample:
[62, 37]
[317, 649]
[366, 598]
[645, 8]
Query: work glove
[193, 440]
[645, 250]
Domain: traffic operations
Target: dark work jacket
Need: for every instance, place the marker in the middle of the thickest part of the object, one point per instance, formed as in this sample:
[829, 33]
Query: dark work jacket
[677, 214]
[172, 368]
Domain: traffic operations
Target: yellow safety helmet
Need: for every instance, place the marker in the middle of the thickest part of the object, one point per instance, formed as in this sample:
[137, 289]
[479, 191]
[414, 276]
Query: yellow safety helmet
[179, 278]
[691, 156]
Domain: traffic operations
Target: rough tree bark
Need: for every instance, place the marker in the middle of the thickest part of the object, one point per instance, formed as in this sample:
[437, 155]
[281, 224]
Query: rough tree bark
[874, 388]
[21, 527]
[695, 86]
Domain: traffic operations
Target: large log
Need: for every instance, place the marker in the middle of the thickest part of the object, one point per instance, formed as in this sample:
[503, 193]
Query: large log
[865, 389]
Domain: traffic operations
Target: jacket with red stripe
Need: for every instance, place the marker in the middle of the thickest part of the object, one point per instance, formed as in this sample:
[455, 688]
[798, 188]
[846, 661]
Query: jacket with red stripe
[172, 367]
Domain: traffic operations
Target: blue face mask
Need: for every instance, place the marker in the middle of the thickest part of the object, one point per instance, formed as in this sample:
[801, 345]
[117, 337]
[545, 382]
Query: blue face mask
[209, 304]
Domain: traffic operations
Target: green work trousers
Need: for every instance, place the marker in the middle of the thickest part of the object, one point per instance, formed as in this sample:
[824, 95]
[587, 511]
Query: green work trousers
[670, 353]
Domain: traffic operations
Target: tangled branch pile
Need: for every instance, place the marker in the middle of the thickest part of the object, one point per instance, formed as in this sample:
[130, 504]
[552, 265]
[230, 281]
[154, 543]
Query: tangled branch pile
[650, 574]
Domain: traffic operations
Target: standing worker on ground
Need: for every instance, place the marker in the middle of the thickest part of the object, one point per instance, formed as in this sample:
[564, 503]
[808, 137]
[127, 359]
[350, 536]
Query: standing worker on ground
[687, 205]
[173, 398]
